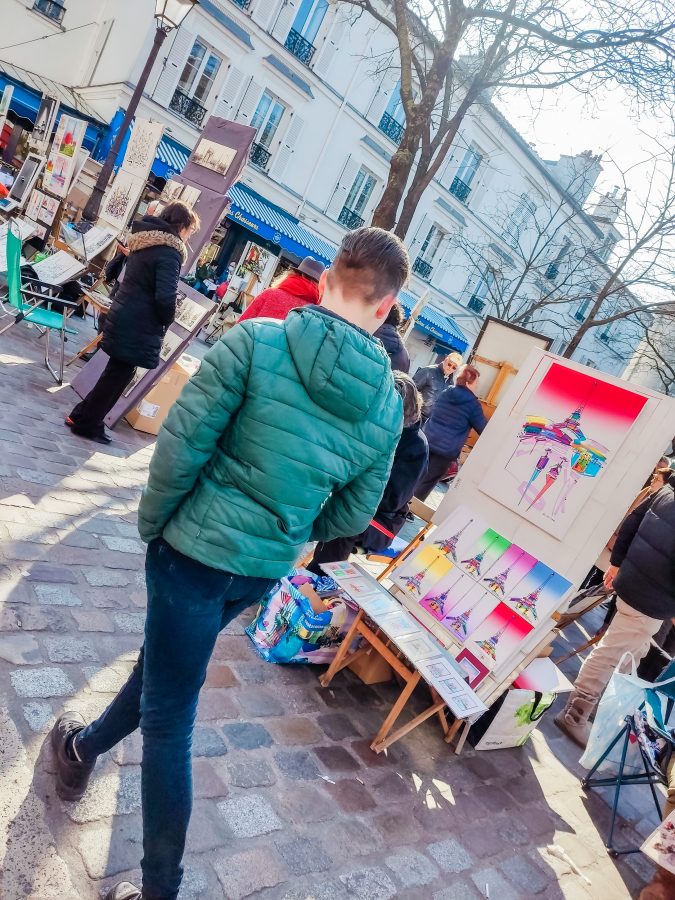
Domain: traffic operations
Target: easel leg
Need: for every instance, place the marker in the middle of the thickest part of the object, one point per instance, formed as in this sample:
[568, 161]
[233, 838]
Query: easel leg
[379, 746]
[396, 710]
[343, 649]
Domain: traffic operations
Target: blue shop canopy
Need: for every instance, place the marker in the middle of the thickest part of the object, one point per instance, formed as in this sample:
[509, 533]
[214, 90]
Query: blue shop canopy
[436, 323]
[170, 159]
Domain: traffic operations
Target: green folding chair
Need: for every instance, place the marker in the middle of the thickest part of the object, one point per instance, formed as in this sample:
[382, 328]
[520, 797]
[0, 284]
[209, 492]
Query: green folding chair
[27, 297]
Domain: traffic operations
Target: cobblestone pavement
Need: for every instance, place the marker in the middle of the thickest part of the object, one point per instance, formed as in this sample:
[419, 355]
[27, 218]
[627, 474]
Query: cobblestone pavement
[290, 801]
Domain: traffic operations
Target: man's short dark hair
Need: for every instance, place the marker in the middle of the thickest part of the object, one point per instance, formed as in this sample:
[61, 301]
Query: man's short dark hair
[371, 264]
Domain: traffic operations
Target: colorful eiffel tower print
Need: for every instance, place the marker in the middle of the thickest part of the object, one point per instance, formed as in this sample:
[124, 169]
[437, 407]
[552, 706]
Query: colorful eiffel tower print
[437, 604]
[459, 624]
[448, 546]
[489, 646]
[473, 565]
[414, 582]
[528, 604]
[497, 583]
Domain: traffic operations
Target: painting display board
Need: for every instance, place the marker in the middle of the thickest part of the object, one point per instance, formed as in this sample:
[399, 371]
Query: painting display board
[63, 157]
[44, 123]
[180, 333]
[125, 191]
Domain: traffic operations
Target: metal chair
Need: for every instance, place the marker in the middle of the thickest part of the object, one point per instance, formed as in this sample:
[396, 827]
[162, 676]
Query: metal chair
[26, 298]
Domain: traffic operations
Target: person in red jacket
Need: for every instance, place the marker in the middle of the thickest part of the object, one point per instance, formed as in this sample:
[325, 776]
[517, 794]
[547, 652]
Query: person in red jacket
[299, 288]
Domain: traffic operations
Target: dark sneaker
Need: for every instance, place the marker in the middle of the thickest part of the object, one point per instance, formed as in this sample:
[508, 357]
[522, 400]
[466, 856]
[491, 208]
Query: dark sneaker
[72, 777]
[124, 891]
[101, 437]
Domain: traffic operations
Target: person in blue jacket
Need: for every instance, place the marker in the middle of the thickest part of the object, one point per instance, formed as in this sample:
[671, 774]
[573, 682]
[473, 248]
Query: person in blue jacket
[456, 411]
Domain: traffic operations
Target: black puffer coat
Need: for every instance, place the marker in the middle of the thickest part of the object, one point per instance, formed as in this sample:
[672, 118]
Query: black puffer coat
[645, 553]
[393, 344]
[430, 381]
[145, 303]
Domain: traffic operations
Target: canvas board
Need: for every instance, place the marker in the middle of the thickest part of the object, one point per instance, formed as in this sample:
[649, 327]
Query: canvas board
[63, 156]
[58, 268]
[121, 199]
[142, 147]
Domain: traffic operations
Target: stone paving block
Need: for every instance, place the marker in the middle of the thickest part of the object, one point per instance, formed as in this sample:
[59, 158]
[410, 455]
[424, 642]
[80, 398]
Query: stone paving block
[45, 682]
[206, 779]
[206, 831]
[93, 620]
[248, 772]
[55, 595]
[216, 703]
[525, 876]
[450, 855]
[259, 703]
[39, 715]
[207, 742]
[249, 815]
[372, 883]
[459, 890]
[108, 795]
[130, 623]
[491, 883]
[337, 759]
[105, 681]
[70, 649]
[122, 544]
[129, 752]
[110, 847]
[247, 735]
[20, 649]
[296, 764]
[255, 672]
[304, 806]
[102, 577]
[35, 477]
[219, 676]
[50, 573]
[392, 787]
[337, 726]
[244, 874]
[412, 868]
[320, 890]
[295, 731]
[398, 826]
[304, 855]
[351, 796]
[80, 539]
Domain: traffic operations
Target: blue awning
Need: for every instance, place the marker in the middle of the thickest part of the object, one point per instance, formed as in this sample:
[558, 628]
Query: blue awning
[274, 224]
[436, 323]
[170, 159]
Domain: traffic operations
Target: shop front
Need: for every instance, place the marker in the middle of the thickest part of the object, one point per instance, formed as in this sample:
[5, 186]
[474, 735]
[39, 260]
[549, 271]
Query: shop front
[435, 334]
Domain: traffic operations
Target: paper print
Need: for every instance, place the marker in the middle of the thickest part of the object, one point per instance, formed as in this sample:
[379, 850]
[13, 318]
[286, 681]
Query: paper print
[62, 158]
[399, 624]
[142, 147]
[58, 268]
[508, 570]
[188, 313]
[34, 203]
[499, 636]
[486, 549]
[418, 647]
[539, 594]
[190, 195]
[455, 535]
[170, 345]
[447, 678]
[660, 845]
[437, 667]
[48, 210]
[447, 593]
[417, 575]
[122, 198]
[378, 605]
[569, 429]
[469, 613]
[474, 669]
[359, 587]
[172, 191]
[211, 155]
[338, 570]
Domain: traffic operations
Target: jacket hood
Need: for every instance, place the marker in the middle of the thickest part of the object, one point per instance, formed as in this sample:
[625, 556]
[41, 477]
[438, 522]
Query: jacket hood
[300, 287]
[154, 232]
[390, 337]
[342, 368]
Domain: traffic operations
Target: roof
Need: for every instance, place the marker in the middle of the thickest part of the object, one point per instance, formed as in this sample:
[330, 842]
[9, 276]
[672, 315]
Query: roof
[67, 96]
[171, 158]
[287, 72]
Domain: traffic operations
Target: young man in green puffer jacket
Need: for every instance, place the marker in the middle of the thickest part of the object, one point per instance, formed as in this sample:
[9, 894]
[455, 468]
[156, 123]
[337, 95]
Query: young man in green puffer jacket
[286, 434]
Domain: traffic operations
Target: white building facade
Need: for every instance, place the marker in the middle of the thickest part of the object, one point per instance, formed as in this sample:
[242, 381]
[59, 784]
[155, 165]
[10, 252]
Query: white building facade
[327, 124]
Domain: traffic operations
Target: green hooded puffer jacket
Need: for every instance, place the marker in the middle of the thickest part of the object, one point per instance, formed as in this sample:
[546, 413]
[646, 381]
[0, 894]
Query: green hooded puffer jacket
[286, 434]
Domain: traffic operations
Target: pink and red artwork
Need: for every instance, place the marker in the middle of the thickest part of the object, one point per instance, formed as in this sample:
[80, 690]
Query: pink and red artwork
[499, 636]
[508, 570]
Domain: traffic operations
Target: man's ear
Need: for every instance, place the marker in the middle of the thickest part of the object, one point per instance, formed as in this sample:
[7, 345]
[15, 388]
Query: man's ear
[386, 304]
[323, 278]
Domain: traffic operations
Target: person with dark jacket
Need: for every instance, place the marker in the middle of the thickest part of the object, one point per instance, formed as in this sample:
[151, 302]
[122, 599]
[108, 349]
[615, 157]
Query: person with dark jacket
[300, 287]
[142, 309]
[410, 462]
[390, 335]
[642, 572]
[456, 411]
[431, 380]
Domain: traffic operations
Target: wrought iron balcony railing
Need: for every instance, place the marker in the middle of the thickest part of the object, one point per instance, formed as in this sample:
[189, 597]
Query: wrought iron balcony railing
[187, 107]
[476, 304]
[300, 47]
[393, 129]
[350, 219]
[260, 156]
[460, 189]
[422, 268]
[242, 4]
[50, 8]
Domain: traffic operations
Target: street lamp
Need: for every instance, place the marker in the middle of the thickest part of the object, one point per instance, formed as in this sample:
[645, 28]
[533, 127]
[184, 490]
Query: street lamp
[169, 14]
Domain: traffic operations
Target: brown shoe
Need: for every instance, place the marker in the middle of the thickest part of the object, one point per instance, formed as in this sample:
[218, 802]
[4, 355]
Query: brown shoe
[72, 777]
[124, 891]
[573, 720]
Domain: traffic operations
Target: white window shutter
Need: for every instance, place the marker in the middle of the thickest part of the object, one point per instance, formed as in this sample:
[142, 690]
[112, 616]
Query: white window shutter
[263, 11]
[420, 237]
[229, 93]
[331, 44]
[446, 170]
[249, 102]
[342, 188]
[287, 147]
[173, 68]
[284, 20]
[375, 197]
[383, 96]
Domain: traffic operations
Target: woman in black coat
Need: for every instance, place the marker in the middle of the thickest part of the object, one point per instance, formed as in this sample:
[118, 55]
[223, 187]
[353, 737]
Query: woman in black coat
[410, 462]
[390, 336]
[143, 307]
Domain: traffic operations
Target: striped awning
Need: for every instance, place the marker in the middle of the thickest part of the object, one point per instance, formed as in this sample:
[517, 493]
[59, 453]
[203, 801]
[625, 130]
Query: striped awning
[436, 323]
[170, 159]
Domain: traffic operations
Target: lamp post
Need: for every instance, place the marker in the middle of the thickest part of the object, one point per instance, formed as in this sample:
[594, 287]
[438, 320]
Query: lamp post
[169, 14]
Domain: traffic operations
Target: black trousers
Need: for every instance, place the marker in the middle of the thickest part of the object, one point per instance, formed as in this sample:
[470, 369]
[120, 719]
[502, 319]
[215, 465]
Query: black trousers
[336, 550]
[438, 466]
[89, 413]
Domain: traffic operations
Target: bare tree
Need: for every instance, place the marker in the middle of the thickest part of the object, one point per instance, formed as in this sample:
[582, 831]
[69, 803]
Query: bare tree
[451, 52]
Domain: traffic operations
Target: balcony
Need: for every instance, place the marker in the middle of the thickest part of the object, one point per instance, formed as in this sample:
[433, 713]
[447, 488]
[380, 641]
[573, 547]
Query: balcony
[476, 305]
[300, 47]
[242, 4]
[552, 271]
[350, 219]
[460, 189]
[187, 108]
[422, 268]
[50, 8]
[393, 129]
[260, 156]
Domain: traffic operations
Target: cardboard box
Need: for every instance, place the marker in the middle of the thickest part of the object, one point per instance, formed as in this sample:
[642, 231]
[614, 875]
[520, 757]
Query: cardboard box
[154, 407]
[372, 668]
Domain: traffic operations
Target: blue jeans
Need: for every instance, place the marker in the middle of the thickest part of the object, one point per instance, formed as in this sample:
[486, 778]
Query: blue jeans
[188, 605]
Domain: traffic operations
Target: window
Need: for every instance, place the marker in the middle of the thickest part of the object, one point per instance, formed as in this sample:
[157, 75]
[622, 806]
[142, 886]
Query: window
[53, 9]
[480, 293]
[519, 219]
[606, 334]
[357, 199]
[461, 183]
[580, 314]
[195, 83]
[266, 119]
[301, 38]
[553, 268]
[423, 265]
[393, 118]
[606, 247]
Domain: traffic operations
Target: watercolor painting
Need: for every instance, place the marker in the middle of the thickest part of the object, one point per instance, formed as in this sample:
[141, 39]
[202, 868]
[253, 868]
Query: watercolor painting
[339, 570]
[447, 593]
[122, 198]
[539, 594]
[423, 570]
[508, 570]
[571, 425]
[455, 536]
[469, 613]
[487, 548]
[499, 636]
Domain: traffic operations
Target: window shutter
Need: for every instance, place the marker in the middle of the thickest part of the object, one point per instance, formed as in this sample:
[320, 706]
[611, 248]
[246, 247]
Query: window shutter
[249, 102]
[173, 67]
[287, 145]
[229, 93]
[446, 170]
[342, 188]
[326, 55]
[420, 236]
[375, 197]
[285, 19]
[263, 12]
[383, 96]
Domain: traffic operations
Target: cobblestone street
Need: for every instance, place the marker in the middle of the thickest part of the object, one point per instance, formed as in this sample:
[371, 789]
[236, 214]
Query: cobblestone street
[290, 801]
